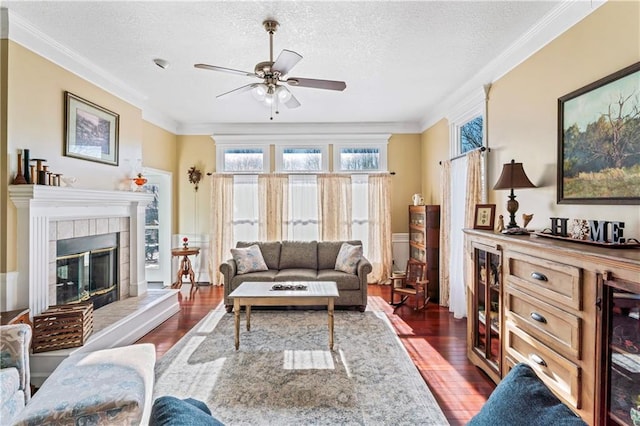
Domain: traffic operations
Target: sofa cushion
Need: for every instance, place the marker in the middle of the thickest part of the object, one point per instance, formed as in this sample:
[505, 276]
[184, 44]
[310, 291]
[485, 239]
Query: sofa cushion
[270, 251]
[343, 280]
[12, 405]
[299, 254]
[296, 274]
[248, 259]
[253, 277]
[521, 398]
[348, 258]
[328, 252]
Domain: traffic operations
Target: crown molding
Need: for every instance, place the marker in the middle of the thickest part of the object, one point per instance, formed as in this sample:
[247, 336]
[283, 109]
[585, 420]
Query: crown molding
[296, 128]
[556, 22]
[19, 30]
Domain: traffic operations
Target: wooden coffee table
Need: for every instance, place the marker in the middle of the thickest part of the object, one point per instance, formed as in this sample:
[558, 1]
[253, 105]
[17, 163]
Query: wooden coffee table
[260, 294]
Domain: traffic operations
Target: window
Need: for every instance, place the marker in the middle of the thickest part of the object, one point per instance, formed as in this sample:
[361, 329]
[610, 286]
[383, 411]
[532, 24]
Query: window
[301, 158]
[360, 158]
[471, 135]
[242, 159]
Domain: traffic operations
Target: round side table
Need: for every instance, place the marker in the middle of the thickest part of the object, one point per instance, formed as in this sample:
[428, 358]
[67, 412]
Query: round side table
[185, 268]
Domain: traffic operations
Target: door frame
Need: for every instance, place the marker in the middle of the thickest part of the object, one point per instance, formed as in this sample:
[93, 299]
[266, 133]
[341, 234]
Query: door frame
[164, 180]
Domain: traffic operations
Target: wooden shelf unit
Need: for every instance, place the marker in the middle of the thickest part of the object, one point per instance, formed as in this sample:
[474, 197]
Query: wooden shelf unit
[424, 243]
[551, 314]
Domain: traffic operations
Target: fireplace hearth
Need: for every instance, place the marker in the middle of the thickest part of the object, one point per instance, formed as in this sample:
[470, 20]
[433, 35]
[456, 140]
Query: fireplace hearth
[87, 270]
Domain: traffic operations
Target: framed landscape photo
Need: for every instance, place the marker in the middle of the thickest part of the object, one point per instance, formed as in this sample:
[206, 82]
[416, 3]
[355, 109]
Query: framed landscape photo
[485, 216]
[91, 132]
[599, 141]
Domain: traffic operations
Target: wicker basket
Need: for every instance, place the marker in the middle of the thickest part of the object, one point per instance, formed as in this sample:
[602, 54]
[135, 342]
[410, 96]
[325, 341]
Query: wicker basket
[62, 326]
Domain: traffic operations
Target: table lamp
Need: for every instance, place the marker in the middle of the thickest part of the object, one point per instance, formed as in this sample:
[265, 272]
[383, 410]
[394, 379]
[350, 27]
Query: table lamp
[512, 177]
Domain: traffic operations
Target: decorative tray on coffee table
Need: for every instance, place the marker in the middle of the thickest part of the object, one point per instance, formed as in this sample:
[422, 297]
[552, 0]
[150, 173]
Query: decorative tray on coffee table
[280, 287]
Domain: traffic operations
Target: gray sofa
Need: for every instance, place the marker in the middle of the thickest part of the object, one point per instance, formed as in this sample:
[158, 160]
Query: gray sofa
[302, 261]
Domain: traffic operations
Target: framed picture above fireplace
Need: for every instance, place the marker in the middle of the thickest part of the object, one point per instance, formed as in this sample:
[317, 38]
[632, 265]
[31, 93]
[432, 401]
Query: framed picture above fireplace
[91, 131]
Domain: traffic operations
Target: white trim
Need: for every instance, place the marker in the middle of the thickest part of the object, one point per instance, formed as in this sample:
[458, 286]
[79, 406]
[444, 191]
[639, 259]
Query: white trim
[217, 129]
[556, 22]
[163, 179]
[245, 139]
[9, 291]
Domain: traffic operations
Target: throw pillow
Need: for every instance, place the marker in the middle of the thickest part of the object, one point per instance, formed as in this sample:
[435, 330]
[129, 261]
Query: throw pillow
[521, 398]
[348, 258]
[171, 411]
[248, 259]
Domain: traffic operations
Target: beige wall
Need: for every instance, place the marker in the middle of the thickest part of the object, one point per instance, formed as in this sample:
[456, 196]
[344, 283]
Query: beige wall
[435, 148]
[35, 121]
[194, 207]
[159, 151]
[404, 159]
[523, 110]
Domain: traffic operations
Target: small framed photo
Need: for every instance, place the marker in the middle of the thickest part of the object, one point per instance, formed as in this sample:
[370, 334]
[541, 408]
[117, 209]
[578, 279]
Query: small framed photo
[485, 216]
[91, 132]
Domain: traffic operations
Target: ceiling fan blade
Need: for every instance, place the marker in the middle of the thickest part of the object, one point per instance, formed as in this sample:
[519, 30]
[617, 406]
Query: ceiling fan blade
[291, 101]
[316, 84]
[287, 59]
[238, 90]
[229, 70]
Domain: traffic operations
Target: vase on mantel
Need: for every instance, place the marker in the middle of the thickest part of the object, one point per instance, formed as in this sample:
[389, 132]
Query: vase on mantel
[19, 179]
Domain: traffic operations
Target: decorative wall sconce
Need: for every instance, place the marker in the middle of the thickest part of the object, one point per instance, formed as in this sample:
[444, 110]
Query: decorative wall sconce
[194, 176]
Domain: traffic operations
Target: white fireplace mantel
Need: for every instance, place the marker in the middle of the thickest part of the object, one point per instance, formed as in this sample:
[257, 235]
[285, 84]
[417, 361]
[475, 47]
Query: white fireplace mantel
[39, 205]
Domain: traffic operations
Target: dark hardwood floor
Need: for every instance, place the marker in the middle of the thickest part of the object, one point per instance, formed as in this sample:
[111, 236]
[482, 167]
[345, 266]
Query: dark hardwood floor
[434, 339]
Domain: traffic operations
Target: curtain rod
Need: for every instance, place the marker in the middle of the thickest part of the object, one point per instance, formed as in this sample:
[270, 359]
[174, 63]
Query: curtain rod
[481, 149]
[391, 173]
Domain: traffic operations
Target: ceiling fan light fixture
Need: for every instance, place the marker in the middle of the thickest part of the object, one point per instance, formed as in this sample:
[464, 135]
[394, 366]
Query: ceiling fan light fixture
[283, 94]
[259, 92]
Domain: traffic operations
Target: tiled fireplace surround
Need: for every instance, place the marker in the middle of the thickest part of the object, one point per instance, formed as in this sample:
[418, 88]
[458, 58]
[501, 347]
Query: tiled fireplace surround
[46, 214]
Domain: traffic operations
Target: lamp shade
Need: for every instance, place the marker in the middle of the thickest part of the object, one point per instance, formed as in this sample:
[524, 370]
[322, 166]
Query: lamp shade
[512, 177]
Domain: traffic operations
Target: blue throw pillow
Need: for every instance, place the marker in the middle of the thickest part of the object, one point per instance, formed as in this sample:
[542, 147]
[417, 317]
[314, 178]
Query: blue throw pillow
[521, 398]
[171, 411]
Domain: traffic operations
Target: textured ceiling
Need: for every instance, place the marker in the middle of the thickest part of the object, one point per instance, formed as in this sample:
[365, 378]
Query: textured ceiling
[399, 59]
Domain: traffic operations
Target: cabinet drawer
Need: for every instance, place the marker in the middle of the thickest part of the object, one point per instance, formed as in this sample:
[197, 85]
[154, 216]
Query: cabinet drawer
[552, 281]
[558, 329]
[560, 374]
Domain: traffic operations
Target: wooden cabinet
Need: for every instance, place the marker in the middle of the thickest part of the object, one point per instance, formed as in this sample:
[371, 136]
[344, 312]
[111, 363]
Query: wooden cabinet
[424, 243]
[484, 311]
[558, 312]
[618, 401]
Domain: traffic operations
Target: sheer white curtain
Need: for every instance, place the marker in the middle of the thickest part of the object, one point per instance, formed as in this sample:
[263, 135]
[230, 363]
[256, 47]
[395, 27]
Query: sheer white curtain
[303, 208]
[273, 191]
[445, 228]
[334, 207]
[378, 250]
[457, 292]
[245, 208]
[221, 223]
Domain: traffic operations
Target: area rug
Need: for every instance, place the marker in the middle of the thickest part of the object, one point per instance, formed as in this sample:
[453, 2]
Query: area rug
[284, 373]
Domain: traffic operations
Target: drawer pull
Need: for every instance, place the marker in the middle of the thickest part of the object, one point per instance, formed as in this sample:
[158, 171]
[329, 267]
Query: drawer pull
[538, 276]
[537, 317]
[535, 358]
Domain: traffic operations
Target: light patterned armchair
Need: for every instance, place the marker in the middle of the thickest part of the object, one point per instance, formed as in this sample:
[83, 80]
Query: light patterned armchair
[15, 390]
[104, 387]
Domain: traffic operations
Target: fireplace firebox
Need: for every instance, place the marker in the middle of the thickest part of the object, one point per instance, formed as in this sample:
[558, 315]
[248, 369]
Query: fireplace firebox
[87, 270]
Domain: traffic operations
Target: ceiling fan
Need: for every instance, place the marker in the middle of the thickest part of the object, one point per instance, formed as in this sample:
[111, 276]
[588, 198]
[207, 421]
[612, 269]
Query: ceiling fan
[274, 75]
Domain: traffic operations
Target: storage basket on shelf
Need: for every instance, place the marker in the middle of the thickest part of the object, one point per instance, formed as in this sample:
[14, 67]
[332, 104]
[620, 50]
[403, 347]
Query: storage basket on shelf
[62, 326]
